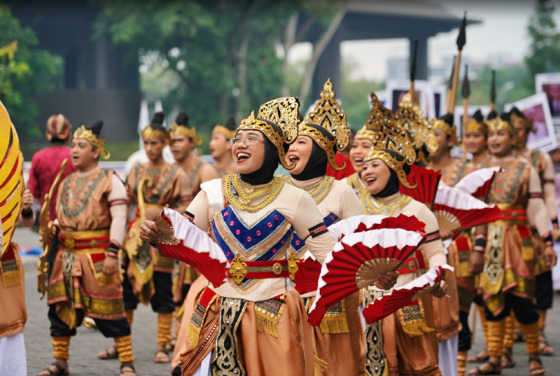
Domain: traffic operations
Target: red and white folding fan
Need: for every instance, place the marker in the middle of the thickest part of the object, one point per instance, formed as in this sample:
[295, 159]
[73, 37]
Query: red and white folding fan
[402, 296]
[427, 180]
[307, 275]
[181, 240]
[361, 223]
[456, 210]
[478, 183]
[356, 261]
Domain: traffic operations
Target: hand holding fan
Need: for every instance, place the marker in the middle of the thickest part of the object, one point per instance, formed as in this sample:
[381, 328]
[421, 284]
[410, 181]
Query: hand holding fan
[357, 260]
[478, 183]
[181, 240]
[456, 210]
[427, 180]
[361, 223]
[404, 295]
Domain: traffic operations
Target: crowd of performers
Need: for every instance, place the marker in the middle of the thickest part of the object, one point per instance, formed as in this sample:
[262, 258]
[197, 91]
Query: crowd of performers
[112, 246]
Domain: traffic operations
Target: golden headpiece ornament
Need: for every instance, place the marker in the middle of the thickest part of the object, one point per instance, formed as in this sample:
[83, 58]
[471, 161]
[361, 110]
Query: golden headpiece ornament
[410, 116]
[328, 115]
[91, 134]
[387, 135]
[156, 128]
[502, 123]
[445, 123]
[228, 129]
[278, 121]
[181, 127]
[477, 123]
[516, 117]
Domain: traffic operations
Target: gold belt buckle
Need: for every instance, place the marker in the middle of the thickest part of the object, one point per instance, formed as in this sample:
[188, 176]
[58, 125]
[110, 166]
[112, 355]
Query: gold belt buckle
[94, 243]
[69, 242]
[277, 268]
[238, 269]
[292, 265]
[411, 266]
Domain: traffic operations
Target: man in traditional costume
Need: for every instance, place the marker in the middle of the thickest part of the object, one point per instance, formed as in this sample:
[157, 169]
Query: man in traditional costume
[545, 169]
[465, 255]
[46, 162]
[151, 186]
[401, 343]
[476, 136]
[339, 341]
[252, 325]
[507, 281]
[220, 147]
[91, 212]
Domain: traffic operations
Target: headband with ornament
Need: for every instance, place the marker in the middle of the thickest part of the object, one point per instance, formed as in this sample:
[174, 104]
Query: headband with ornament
[518, 118]
[328, 116]
[278, 121]
[411, 118]
[229, 129]
[181, 128]
[387, 134]
[58, 127]
[502, 123]
[477, 124]
[156, 128]
[91, 134]
[445, 123]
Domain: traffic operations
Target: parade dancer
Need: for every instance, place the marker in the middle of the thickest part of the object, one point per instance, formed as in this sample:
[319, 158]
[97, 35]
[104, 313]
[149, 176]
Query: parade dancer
[255, 326]
[507, 281]
[148, 279]
[91, 212]
[400, 344]
[476, 136]
[339, 341]
[220, 147]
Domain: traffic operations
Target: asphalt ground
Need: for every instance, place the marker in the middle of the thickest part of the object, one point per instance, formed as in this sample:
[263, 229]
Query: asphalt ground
[87, 343]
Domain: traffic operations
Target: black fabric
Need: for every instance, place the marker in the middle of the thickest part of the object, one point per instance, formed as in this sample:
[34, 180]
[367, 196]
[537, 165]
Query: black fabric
[524, 309]
[265, 173]
[182, 119]
[392, 186]
[465, 334]
[161, 302]
[316, 165]
[96, 127]
[52, 256]
[544, 290]
[157, 121]
[109, 328]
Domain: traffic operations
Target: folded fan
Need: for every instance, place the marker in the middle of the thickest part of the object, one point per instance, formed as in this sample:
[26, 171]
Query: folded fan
[356, 261]
[361, 223]
[181, 240]
[402, 296]
[456, 210]
[427, 180]
[478, 183]
[307, 275]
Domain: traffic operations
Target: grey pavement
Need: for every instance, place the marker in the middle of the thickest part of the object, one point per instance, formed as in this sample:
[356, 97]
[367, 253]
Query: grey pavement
[86, 344]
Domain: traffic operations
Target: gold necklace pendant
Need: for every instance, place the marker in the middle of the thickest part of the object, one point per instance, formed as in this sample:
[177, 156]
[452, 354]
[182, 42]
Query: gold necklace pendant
[239, 194]
[387, 208]
[318, 190]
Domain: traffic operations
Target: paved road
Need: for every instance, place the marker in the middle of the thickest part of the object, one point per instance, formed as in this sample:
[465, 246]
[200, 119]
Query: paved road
[86, 344]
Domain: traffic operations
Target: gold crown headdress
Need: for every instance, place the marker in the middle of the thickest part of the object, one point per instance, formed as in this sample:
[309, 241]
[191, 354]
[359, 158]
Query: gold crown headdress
[521, 120]
[387, 134]
[180, 128]
[498, 124]
[283, 113]
[328, 115]
[156, 132]
[228, 129]
[99, 142]
[477, 124]
[446, 127]
[411, 118]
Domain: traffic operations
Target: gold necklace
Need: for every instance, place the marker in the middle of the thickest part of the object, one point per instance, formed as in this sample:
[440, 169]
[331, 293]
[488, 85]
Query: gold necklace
[239, 194]
[373, 206]
[318, 190]
[355, 182]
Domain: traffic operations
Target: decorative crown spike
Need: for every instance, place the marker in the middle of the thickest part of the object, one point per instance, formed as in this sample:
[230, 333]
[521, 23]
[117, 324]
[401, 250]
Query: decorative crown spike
[328, 115]
[86, 134]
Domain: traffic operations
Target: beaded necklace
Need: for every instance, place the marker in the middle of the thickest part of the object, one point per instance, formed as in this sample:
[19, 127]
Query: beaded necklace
[355, 182]
[239, 194]
[318, 190]
[376, 207]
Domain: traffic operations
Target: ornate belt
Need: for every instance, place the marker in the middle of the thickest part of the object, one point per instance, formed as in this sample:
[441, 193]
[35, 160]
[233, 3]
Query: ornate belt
[240, 269]
[513, 215]
[408, 267]
[85, 241]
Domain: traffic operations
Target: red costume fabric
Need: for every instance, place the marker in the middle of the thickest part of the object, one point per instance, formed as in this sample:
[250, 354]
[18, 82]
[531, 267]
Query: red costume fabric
[339, 175]
[45, 165]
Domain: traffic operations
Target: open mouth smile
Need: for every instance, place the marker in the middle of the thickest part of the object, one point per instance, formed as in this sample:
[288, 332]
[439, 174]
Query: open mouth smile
[242, 156]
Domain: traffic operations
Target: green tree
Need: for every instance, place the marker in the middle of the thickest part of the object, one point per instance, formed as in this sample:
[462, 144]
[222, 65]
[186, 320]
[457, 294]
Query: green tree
[25, 72]
[544, 51]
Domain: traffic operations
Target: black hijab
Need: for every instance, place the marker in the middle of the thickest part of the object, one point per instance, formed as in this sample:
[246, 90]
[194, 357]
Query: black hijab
[318, 160]
[265, 173]
[393, 185]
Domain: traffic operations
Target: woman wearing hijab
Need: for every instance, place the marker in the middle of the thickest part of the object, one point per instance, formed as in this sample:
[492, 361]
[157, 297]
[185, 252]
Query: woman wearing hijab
[255, 326]
[405, 342]
[339, 341]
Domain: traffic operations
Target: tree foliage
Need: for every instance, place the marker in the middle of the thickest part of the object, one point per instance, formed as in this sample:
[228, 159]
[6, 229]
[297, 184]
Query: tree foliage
[544, 51]
[25, 72]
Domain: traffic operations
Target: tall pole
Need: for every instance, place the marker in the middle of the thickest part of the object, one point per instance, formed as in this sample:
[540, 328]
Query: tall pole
[413, 72]
[465, 93]
[493, 92]
[461, 41]
[450, 85]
